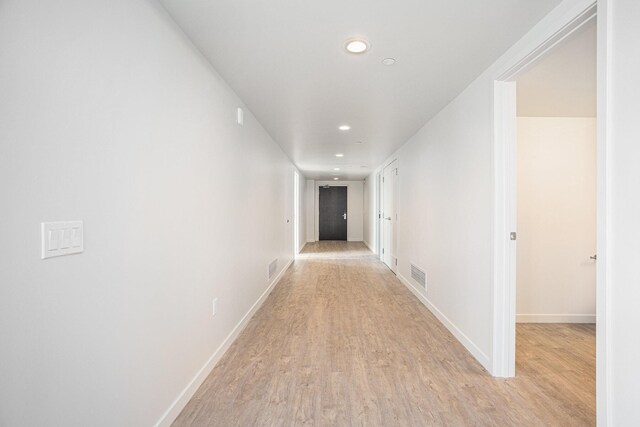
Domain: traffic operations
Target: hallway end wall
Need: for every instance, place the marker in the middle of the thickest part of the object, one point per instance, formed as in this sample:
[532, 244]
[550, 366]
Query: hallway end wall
[355, 204]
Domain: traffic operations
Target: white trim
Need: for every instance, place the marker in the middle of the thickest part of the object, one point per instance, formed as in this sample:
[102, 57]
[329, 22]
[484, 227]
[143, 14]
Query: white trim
[378, 214]
[183, 398]
[460, 336]
[368, 246]
[504, 222]
[604, 392]
[302, 248]
[556, 318]
[545, 47]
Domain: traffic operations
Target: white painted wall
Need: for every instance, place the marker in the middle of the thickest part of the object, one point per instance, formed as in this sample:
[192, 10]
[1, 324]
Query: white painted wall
[369, 213]
[622, 294]
[445, 207]
[556, 166]
[302, 216]
[108, 114]
[355, 205]
[310, 197]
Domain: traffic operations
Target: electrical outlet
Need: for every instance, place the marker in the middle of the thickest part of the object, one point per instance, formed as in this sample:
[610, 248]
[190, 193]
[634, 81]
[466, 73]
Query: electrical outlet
[214, 306]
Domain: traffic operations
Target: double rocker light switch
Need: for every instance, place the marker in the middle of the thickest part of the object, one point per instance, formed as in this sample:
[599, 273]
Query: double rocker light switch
[61, 238]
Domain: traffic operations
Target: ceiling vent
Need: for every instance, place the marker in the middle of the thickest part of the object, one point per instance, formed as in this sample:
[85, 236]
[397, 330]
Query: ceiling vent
[419, 276]
[273, 267]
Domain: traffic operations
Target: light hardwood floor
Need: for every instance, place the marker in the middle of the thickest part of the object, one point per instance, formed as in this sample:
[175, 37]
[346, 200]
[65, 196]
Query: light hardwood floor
[340, 342]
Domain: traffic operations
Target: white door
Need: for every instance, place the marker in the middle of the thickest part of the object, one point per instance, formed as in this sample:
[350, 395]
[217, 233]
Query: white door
[389, 217]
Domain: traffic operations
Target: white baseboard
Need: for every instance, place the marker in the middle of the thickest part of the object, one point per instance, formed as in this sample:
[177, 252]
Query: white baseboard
[464, 340]
[183, 398]
[302, 248]
[354, 239]
[555, 318]
[369, 246]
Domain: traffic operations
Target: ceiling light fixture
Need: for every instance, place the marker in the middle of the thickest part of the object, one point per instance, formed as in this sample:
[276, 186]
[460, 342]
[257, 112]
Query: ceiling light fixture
[388, 61]
[336, 169]
[356, 46]
[339, 155]
[336, 178]
[344, 127]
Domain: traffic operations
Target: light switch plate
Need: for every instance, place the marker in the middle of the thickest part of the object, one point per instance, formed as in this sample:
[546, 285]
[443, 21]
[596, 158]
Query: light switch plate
[240, 116]
[61, 238]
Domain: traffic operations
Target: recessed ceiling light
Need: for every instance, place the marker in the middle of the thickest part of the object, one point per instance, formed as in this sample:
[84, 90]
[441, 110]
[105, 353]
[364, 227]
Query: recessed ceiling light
[344, 127]
[388, 61]
[356, 46]
[336, 178]
[336, 169]
[339, 155]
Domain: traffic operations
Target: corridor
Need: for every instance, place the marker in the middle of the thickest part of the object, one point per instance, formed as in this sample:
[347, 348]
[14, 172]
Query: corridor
[341, 341]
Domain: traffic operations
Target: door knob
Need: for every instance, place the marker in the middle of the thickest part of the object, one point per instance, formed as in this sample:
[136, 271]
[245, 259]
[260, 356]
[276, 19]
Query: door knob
[344, 216]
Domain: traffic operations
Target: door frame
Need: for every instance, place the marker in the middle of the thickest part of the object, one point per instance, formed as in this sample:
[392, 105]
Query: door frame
[504, 203]
[296, 213]
[317, 204]
[378, 213]
[394, 228]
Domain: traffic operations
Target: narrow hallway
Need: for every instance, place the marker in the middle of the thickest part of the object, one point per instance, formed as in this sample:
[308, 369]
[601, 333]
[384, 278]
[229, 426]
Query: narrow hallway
[340, 341]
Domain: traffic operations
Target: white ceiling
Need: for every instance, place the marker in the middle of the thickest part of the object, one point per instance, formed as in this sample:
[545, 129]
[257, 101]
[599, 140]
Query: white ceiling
[286, 60]
[563, 83]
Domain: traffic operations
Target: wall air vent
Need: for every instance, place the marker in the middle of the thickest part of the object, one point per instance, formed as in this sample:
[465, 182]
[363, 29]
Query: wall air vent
[419, 276]
[273, 268]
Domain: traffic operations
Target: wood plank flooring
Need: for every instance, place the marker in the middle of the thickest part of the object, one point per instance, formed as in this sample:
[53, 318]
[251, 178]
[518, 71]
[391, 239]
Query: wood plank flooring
[341, 342]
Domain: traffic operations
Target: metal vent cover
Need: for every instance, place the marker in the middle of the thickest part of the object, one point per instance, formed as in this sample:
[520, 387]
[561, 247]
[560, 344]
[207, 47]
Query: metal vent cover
[273, 267]
[419, 275]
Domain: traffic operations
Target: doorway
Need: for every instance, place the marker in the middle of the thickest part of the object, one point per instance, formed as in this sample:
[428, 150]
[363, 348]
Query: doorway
[389, 214]
[556, 189]
[332, 219]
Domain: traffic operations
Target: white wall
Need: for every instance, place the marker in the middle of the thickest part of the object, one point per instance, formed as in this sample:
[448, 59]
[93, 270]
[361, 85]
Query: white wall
[310, 197]
[369, 213]
[556, 280]
[108, 114]
[445, 207]
[302, 209]
[623, 211]
[355, 205]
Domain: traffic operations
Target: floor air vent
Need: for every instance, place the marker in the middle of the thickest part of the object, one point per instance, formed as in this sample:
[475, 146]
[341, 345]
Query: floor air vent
[419, 276]
[273, 267]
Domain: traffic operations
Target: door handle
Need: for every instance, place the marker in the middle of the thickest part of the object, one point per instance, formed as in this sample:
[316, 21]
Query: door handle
[388, 218]
[344, 215]
[594, 257]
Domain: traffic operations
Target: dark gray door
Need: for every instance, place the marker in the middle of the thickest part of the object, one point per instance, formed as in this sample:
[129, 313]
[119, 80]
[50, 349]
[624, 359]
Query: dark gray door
[333, 213]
